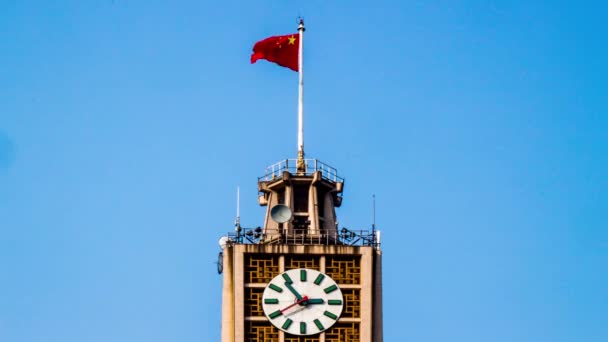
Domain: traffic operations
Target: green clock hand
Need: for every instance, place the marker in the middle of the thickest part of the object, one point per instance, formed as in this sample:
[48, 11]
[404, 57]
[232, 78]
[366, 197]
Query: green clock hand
[290, 288]
[315, 301]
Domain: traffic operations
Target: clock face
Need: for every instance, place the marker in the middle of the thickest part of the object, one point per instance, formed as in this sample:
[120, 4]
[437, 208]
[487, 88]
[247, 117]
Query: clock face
[302, 301]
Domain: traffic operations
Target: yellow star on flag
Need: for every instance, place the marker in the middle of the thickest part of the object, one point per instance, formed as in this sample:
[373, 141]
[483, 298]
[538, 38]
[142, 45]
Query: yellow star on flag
[292, 40]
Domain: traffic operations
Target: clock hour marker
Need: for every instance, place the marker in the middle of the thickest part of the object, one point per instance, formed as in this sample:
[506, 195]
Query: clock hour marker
[302, 328]
[287, 324]
[287, 278]
[319, 279]
[330, 289]
[319, 325]
[275, 314]
[271, 301]
[303, 275]
[276, 288]
[330, 315]
[316, 301]
[334, 302]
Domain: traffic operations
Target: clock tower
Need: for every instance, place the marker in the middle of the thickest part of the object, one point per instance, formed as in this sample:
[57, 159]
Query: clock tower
[301, 277]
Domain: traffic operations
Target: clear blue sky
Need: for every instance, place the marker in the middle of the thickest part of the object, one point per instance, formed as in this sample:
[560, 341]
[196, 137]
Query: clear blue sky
[126, 126]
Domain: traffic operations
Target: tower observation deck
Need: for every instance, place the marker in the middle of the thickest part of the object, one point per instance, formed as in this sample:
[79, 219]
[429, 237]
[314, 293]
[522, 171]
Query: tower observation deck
[301, 197]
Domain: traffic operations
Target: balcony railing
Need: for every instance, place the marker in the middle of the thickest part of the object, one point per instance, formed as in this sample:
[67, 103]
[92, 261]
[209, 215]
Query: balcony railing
[310, 166]
[343, 237]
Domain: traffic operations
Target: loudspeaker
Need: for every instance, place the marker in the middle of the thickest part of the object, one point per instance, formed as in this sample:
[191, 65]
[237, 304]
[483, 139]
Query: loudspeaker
[280, 213]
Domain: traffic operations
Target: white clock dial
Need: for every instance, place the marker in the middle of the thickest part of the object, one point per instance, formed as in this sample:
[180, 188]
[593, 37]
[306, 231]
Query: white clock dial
[302, 301]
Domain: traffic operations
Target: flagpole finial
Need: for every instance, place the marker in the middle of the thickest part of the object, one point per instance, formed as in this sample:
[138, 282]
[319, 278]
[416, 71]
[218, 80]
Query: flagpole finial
[301, 25]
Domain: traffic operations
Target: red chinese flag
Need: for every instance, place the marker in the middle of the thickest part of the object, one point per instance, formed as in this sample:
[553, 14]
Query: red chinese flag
[282, 50]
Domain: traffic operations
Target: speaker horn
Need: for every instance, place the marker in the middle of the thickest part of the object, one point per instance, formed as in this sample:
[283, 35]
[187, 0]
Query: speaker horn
[280, 213]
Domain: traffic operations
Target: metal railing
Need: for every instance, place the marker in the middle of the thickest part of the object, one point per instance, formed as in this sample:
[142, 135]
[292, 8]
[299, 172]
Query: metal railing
[343, 237]
[310, 166]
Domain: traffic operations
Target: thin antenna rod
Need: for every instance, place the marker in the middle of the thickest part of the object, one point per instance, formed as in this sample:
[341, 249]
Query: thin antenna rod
[300, 164]
[374, 212]
[375, 233]
[237, 222]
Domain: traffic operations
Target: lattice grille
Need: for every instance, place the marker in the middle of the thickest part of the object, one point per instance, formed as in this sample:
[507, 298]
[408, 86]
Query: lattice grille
[253, 302]
[343, 332]
[302, 261]
[261, 332]
[352, 303]
[261, 268]
[344, 269]
[291, 338]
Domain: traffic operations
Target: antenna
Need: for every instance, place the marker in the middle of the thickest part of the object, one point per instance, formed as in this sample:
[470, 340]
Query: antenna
[375, 233]
[374, 212]
[237, 221]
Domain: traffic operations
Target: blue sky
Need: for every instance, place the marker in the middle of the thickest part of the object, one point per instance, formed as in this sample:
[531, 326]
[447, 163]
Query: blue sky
[126, 126]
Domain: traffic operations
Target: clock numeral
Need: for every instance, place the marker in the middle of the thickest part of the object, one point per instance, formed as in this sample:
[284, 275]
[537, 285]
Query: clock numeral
[303, 275]
[287, 324]
[271, 301]
[319, 279]
[276, 288]
[319, 325]
[302, 327]
[330, 315]
[330, 289]
[287, 278]
[275, 314]
[334, 302]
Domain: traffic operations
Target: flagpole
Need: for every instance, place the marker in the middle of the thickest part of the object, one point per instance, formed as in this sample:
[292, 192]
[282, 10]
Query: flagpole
[301, 167]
